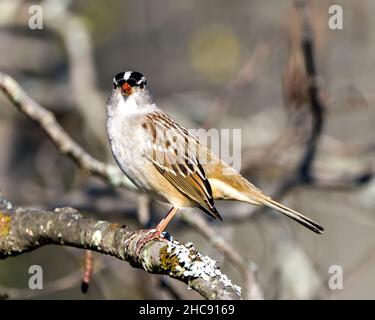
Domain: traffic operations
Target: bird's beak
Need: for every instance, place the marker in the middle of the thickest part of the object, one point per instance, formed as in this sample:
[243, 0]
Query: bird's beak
[126, 89]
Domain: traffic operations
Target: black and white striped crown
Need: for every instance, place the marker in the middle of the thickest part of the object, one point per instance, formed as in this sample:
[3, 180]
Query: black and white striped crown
[132, 78]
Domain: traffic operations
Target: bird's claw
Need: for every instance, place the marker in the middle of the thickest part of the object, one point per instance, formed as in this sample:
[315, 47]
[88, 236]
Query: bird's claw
[152, 234]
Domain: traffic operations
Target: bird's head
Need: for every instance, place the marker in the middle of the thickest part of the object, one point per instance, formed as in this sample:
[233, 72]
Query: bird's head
[129, 83]
[130, 94]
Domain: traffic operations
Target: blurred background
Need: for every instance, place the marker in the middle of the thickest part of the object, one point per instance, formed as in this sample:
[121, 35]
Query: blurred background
[210, 64]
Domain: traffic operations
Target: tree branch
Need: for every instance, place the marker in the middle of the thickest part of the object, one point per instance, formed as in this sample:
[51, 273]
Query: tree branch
[23, 230]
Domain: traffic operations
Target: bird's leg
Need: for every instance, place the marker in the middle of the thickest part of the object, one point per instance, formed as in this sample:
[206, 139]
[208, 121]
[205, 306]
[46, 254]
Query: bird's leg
[164, 222]
[155, 233]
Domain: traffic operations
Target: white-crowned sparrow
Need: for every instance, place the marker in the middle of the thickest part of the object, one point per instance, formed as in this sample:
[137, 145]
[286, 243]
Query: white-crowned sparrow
[164, 160]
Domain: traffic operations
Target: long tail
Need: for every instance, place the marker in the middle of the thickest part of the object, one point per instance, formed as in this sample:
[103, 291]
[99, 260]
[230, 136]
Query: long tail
[233, 186]
[308, 223]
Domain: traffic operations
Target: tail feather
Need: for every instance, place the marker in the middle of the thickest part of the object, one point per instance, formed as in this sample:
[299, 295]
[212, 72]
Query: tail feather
[235, 187]
[212, 212]
[308, 223]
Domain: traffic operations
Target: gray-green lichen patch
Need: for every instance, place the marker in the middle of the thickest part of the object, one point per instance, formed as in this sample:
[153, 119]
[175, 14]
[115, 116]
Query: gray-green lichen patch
[184, 260]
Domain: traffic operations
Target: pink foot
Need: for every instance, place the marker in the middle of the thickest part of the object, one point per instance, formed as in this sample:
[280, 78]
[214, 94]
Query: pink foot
[152, 234]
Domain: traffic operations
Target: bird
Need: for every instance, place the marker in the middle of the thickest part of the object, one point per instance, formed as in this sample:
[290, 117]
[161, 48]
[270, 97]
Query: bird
[168, 163]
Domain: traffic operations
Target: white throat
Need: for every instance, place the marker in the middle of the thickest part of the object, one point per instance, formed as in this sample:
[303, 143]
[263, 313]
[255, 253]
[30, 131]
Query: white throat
[129, 106]
[134, 104]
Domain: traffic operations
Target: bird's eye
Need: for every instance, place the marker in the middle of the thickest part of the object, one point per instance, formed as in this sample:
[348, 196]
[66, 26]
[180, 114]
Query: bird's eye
[143, 84]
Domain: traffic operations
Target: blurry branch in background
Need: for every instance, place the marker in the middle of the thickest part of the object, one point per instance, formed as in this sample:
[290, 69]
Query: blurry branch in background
[309, 92]
[77, 41]
[345, 149]
[303, 172]
[301, 87]
[305, 102]
[82, 73]
[109, 173]
[23, 230]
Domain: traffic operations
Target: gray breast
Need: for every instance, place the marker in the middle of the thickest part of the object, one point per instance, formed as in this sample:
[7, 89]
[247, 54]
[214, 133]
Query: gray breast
[127, 140]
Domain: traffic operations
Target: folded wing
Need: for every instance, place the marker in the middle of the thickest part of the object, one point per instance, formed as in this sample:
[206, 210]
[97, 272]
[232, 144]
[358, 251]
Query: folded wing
[173, 151]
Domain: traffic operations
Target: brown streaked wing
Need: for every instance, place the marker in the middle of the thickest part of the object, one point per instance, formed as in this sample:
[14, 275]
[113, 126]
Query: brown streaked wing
[172, 153]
